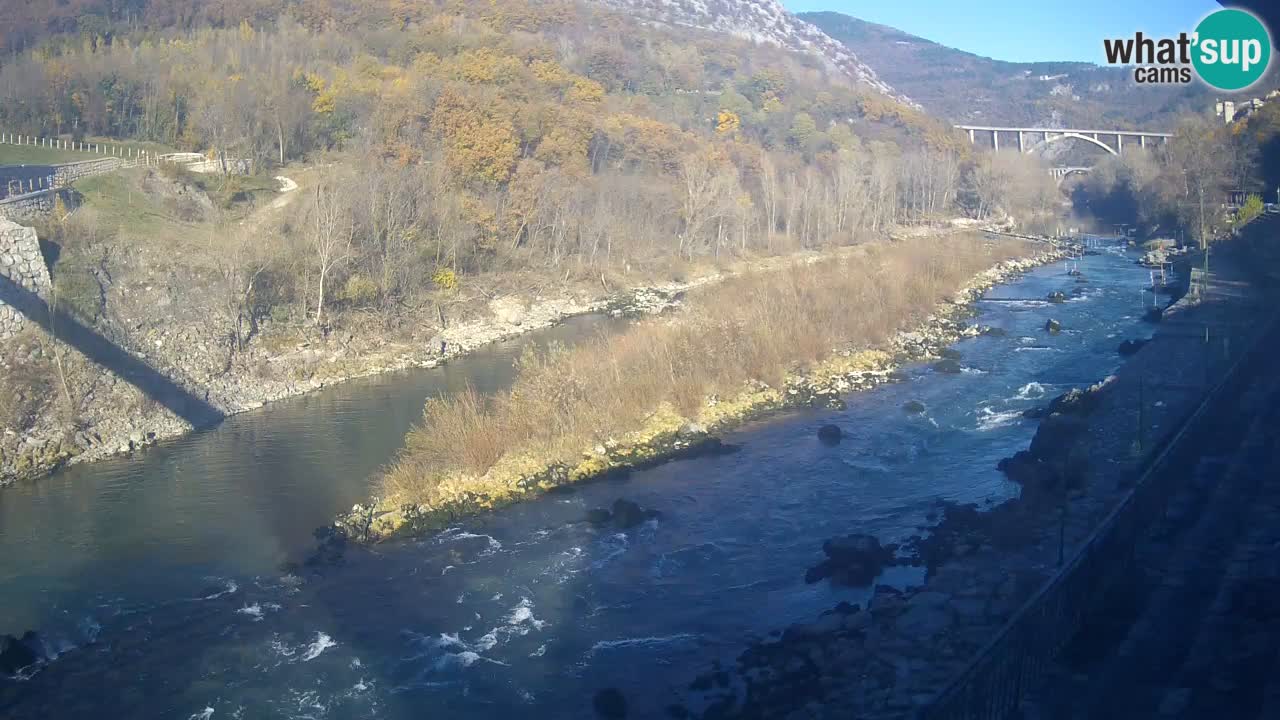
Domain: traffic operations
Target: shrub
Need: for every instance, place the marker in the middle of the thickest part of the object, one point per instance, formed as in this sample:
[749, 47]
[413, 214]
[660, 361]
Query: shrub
[750, 328]
[1252, 208]
[76, 290]
[445, 279]
[360, 291]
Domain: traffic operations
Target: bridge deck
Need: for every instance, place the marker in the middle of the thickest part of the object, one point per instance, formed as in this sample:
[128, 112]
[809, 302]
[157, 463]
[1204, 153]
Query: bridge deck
[1129, 133]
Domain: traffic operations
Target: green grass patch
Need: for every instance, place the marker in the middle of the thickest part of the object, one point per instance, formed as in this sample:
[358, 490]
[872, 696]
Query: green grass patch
[33, 155]
[36, 155]
[232, 191]
[122, 208]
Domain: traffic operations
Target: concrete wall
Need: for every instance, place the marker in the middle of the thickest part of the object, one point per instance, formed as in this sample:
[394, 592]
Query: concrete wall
[21, 262]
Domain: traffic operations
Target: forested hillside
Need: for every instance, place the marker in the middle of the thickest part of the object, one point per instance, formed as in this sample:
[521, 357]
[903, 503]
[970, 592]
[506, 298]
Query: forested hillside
[526, 131]
[457, 163]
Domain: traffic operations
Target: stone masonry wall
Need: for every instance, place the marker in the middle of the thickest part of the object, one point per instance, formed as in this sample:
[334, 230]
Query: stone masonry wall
[21, 262]
[31, 206]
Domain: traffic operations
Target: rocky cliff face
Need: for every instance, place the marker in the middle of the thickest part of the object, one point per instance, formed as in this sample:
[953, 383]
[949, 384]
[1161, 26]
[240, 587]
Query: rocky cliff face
[762, 21]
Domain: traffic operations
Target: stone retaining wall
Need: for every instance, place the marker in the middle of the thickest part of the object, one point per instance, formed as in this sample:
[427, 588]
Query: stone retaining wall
[22, 263]
[26, 208]
[70, 172]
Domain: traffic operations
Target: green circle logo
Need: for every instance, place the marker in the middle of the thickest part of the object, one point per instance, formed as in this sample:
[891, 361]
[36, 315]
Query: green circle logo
[1233, 49]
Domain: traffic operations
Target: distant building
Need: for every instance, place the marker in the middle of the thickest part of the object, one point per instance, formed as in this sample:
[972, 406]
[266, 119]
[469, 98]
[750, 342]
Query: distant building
[1229, 111]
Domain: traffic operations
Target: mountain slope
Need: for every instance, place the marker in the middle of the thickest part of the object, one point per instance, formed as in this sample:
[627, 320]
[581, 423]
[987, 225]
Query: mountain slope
[968, 88]
[762, 21]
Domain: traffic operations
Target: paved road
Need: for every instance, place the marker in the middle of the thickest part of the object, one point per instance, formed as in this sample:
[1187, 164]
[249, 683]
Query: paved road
[22, 173]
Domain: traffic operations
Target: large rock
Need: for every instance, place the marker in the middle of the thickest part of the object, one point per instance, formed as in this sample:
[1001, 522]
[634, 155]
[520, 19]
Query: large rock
[926, 615]
[1024, 468]
[853, 560]
[1074, 402]
[830, 434]
[509, 310]
[1053, 327]
[610, 704]
[16, 654]
[1057, 297]
[1131, 347]
[915, 407]
[624, 515]
[1055, 436]
[947, 366]
[627, 514]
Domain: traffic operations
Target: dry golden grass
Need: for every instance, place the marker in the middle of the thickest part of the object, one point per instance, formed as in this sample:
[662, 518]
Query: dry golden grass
[753, 327]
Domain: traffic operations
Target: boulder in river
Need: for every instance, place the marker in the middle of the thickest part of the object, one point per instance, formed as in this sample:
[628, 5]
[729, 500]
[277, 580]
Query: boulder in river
[993, 331]
[16, 654]
[627, 514]
[624, 515]
[1074, 402]
[853, 560]
[947, 366]
[1057, 296]
[1154, 315]
[915, 407]
[599, 516]
[1053, 327]
[1055, 436]
[610, 703]
[1024, 468]
[830, 434]
[949, 354]
[1131, 347]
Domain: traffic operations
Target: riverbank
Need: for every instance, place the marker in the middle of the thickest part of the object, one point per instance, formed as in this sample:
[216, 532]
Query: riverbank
[187, 345]
[888, 659]
[437, 480]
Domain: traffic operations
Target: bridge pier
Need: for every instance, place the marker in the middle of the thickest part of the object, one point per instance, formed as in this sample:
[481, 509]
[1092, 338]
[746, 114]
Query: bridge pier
[1020, 144]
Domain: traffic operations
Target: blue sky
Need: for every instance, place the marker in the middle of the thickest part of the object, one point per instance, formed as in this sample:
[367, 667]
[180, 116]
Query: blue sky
[1022, 30]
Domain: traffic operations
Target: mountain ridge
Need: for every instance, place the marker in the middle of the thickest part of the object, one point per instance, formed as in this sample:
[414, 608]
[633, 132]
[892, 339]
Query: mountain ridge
[965, 87]
[763, 21]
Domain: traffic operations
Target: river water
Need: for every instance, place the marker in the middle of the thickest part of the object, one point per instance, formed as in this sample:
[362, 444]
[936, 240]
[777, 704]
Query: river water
[155, 583]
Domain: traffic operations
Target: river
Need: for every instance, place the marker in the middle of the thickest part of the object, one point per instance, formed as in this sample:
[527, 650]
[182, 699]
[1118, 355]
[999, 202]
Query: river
[155, 581]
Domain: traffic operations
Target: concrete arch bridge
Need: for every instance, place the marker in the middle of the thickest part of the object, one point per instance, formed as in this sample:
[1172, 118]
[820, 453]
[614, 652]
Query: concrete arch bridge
[1033, 140]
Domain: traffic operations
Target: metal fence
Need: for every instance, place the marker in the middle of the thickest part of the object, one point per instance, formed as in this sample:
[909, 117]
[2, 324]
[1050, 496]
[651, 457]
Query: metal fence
[992, 685]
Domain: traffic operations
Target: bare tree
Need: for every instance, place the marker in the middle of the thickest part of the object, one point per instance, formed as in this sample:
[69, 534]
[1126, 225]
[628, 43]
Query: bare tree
[241, 257]
[332, 229]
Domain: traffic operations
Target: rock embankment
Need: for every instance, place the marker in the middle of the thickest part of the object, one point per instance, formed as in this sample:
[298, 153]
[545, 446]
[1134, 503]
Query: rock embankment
[169, 318]
[890, 660]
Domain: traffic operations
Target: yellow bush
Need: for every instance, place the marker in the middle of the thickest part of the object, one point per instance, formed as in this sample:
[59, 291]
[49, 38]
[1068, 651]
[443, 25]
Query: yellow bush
[445, 279]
